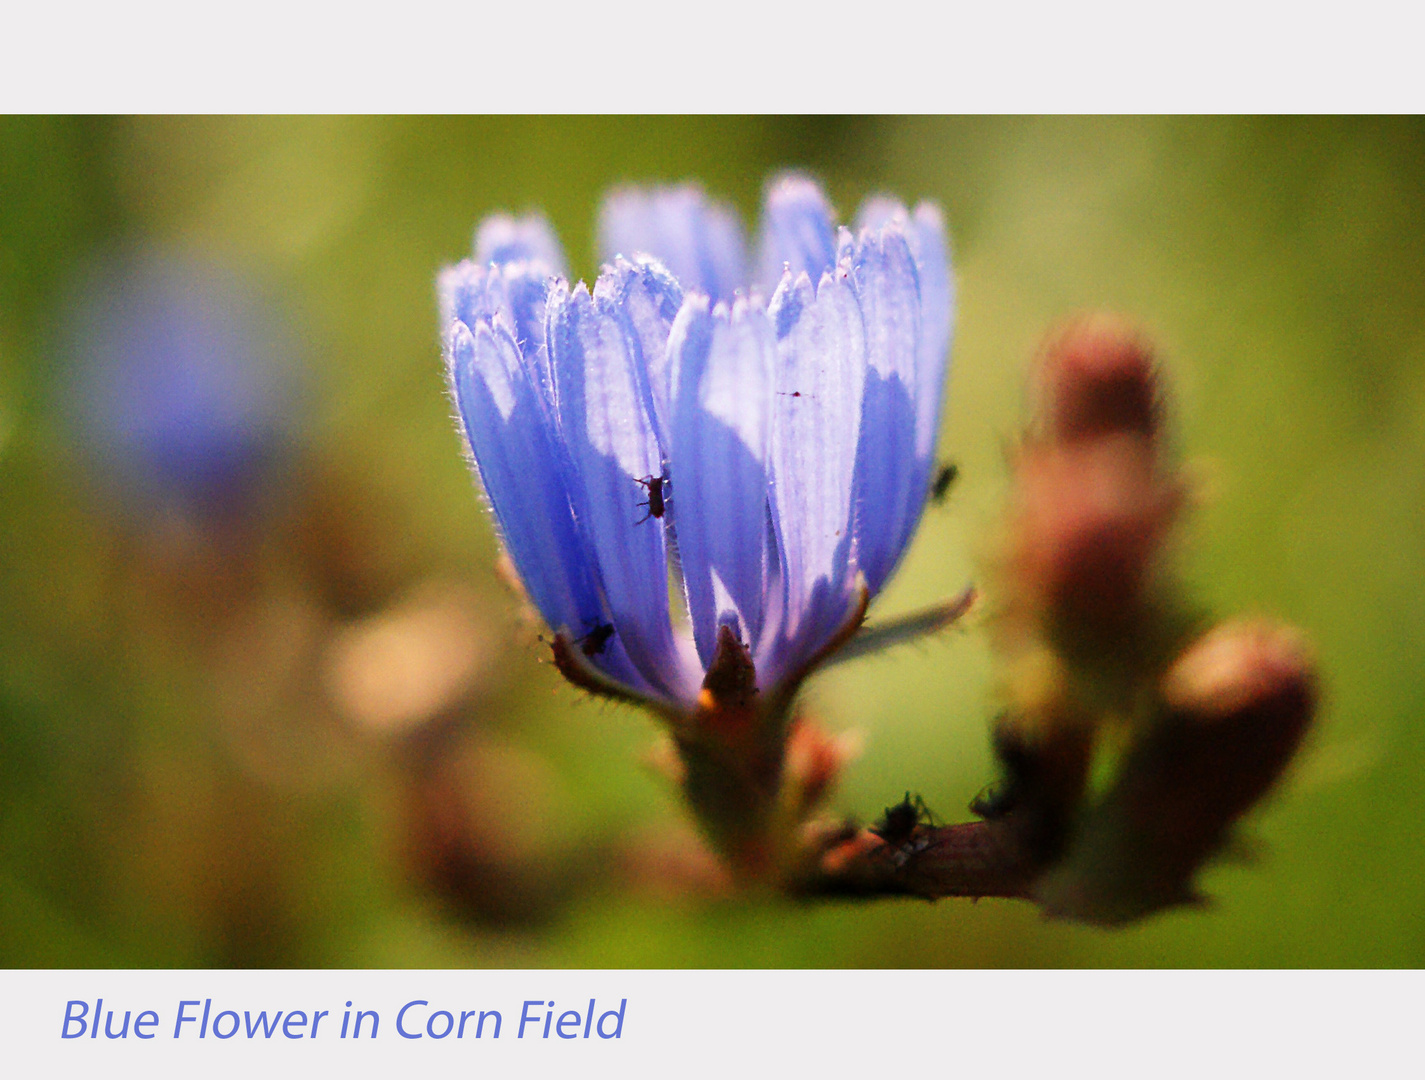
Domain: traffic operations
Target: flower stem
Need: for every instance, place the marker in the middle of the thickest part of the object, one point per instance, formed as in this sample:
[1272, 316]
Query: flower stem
[972, 859]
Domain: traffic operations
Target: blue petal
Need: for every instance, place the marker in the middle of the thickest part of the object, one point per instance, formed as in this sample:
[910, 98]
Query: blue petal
[880, 210]
[608, 431]
[502, 239]
[937, 322]
[888, 494]
[820, 380]
[797, 231]
[723, 363]
[698, 240]
[473, 293]
[646, 299]
[925, 233]
[455, 289]
[514, 453]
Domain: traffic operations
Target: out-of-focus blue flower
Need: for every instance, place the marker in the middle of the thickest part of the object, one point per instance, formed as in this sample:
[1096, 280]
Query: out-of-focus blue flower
[180, 385]
[699, 241]
[791, 439]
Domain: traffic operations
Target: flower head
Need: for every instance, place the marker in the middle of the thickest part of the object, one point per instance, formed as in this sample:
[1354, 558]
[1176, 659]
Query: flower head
[772, 439]
[181, 385]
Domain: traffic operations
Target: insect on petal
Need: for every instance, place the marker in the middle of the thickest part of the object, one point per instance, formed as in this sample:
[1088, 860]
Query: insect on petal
[514, 453]
[603, 415]
[775, 453]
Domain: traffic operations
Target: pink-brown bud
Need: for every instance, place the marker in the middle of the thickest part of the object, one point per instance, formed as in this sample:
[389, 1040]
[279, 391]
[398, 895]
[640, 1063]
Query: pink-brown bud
[1238, 703]
[1097, 377]
[1091, 520]
[1245, 694]
[814, 763]
[1240, 666]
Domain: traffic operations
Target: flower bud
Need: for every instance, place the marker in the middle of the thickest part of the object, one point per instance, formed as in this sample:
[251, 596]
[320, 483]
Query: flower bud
[1089, 525]
[1097, 377]
[1238, 703]
[1245, 693]
[813, 764]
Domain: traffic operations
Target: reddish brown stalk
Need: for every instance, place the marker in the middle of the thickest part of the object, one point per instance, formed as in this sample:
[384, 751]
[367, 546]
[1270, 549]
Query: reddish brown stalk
[974, 859]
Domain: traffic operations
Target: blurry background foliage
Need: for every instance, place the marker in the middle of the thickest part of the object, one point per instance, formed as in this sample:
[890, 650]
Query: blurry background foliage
[264, 701]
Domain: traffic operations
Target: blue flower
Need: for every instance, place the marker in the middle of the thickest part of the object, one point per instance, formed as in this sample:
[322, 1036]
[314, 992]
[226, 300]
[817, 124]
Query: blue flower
[181, 386]
[784, 426]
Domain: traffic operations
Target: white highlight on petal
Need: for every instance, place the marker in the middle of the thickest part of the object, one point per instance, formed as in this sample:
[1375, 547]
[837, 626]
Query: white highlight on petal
[646, 298]
[734, 387]
[723, 603]
[723, 366]
[614, 418]
[821, 375]
[494, 359]
[937, 290]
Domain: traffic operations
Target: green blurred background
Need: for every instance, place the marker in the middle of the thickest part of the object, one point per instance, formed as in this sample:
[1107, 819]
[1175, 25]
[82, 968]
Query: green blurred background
[295, 719]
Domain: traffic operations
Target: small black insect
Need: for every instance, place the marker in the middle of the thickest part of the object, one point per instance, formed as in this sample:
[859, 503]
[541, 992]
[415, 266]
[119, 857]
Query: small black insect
[1020, 772]
[996, 800]
[657, 498]
[944, 477]
[897, 826]
[594, 642]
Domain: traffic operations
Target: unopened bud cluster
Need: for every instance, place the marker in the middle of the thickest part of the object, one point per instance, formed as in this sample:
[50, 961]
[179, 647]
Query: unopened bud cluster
[1094, 500]
[1104, 657]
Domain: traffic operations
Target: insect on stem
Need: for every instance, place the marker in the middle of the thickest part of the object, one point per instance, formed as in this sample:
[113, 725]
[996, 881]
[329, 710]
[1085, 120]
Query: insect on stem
[899, 822]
